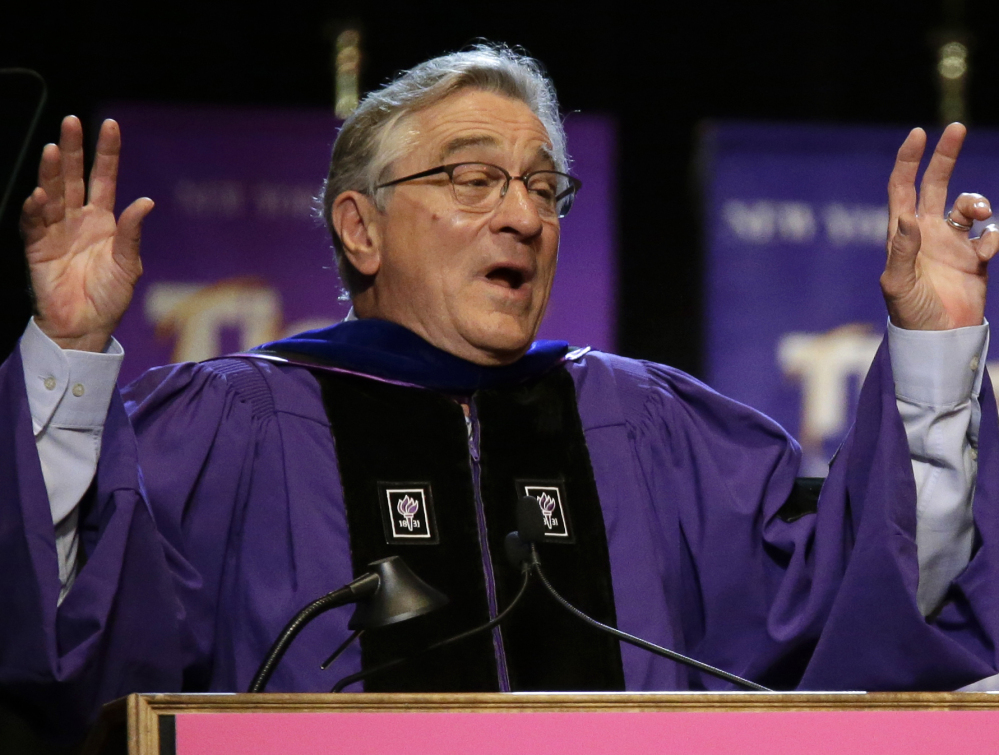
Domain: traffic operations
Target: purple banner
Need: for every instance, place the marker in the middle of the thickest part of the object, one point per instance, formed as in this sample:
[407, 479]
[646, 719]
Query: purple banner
[796, 225]
[234, 254]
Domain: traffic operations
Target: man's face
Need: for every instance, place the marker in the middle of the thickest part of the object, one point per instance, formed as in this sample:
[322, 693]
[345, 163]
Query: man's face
[470, 282]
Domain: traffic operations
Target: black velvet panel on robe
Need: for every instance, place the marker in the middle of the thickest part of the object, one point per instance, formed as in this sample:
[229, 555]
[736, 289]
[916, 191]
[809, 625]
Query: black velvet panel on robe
[534, 432]
[388, 434]
[391, 434]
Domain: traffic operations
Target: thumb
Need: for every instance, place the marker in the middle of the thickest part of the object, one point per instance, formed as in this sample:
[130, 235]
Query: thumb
[126, 241]
[900, 269]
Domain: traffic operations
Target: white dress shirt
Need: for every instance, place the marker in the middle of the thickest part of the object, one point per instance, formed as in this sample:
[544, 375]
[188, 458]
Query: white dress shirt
[69, 393]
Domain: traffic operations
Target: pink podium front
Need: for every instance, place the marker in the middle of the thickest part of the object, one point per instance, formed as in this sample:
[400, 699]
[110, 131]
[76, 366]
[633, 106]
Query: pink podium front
[545, 724]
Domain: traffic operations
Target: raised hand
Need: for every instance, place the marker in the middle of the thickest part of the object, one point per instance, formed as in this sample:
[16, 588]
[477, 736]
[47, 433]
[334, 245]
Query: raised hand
[83, 265]
[935, 276]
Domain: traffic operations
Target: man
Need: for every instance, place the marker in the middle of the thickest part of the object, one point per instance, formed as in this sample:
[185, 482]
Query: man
[228, 494]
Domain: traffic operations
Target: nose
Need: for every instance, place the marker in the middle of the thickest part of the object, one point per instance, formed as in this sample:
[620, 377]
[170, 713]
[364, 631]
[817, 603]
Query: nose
[516, 213]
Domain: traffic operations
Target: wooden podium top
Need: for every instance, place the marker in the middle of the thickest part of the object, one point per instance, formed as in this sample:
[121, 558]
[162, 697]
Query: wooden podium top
[401, 724]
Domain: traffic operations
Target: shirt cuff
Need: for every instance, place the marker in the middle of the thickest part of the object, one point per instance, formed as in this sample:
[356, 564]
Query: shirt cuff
[67, 388]
[938, 367]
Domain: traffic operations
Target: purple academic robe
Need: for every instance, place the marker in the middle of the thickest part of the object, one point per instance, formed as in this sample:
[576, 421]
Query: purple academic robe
[218, 513]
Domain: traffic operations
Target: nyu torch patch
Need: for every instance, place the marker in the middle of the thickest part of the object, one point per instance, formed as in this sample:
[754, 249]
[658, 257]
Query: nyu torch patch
[554, 510]
[408, 513]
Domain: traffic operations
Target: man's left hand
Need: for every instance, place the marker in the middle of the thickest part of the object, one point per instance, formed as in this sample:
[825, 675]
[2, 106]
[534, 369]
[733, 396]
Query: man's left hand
[936, 275]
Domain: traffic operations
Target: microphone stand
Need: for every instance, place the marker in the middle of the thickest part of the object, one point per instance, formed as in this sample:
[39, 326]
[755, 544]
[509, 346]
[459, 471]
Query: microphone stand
[388, 594]
[360, 675]
[356, 590]
[534, 565]
[42, 97]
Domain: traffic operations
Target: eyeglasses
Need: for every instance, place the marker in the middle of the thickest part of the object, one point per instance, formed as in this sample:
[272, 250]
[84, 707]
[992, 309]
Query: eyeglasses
[481, 187]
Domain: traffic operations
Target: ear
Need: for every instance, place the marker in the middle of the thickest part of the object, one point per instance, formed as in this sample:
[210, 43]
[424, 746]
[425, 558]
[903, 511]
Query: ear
[356, 220]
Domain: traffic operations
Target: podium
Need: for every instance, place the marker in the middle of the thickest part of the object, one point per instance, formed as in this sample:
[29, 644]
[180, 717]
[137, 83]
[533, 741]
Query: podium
[549, 723]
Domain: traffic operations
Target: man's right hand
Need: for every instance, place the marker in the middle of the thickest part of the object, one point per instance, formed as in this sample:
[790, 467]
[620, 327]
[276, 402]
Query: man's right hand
[83, 265]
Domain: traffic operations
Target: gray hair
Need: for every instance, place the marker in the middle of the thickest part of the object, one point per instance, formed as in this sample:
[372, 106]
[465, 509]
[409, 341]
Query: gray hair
[369, 143]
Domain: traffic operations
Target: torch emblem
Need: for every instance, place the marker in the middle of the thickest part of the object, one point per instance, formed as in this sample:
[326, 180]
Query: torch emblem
[551, 501]
[408, 513]
[409, 508]
[547, 504]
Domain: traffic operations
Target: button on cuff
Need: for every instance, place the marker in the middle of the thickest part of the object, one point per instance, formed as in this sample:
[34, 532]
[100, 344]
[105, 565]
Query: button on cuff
[89, 387]
[46, 373]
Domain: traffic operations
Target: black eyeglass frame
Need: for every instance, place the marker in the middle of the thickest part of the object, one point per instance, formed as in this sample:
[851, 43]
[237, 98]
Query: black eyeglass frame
[574, 183]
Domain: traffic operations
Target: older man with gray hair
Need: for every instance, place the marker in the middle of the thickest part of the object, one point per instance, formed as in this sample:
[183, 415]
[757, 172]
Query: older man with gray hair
[159, 538]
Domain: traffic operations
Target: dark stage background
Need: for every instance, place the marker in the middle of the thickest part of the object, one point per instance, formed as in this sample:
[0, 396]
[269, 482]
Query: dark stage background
[662, 69]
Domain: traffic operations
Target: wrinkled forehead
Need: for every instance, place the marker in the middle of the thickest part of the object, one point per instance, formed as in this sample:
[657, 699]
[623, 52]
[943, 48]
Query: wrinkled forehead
[471, 144]
[475, 124]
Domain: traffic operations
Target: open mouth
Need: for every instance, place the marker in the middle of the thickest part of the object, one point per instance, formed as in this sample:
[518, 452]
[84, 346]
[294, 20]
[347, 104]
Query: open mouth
[507, 277]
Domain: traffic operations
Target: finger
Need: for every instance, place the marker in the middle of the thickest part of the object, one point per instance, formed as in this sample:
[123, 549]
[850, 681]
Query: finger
[71, 147]
[902, 182]
[988, 244]
[104, 174]
[933, 190]
[32, 215]
[970, 207]
[50, 181]
[900, 270]
[126, 241]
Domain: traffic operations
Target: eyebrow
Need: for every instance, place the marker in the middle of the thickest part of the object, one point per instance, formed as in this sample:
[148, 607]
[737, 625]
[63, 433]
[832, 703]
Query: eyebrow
[545, 153]
[485, 140]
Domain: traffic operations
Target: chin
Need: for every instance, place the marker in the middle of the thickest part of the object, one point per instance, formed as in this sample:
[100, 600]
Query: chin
[502, 344]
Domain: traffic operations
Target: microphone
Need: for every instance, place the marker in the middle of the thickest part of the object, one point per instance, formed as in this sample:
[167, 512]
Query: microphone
[522, 550]
[387, 594]
[518, 553]
[500, 617]
[530, 523]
